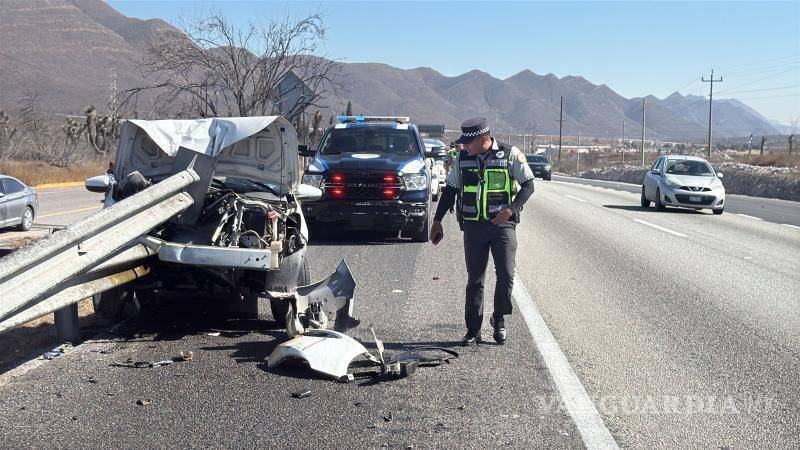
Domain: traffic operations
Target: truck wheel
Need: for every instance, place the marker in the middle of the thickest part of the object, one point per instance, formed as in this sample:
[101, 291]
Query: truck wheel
[111, 304]
[421, 234]
[280, 308]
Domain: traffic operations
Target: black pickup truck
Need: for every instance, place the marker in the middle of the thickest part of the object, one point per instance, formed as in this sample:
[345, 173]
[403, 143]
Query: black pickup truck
[373, 176]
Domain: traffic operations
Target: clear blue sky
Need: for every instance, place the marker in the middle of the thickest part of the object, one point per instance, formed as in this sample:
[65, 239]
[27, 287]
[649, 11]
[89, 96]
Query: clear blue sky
[636, 48]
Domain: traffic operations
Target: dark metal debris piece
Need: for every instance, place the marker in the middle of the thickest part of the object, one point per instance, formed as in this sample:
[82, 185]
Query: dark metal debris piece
[301, 394]
[144, 402]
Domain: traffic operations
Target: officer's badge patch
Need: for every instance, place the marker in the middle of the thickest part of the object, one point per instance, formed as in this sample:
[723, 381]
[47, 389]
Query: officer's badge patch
[500, 154]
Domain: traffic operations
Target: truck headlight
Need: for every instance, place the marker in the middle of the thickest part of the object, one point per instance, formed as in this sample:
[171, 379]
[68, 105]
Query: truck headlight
[547, 167]
[313, 180]
[415, 182]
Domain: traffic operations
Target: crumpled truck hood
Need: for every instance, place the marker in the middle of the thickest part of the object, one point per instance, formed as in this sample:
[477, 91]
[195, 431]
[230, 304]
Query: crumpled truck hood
[259, 148]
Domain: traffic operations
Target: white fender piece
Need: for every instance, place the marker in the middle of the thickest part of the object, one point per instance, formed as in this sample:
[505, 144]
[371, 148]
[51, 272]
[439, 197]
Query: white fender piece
[326, 351]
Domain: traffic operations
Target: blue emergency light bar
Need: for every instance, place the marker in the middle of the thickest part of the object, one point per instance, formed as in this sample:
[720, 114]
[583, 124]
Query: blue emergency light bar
[351, 119]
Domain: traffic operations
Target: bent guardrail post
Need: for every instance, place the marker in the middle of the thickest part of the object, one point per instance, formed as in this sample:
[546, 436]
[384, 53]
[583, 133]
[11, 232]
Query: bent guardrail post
[30, 272]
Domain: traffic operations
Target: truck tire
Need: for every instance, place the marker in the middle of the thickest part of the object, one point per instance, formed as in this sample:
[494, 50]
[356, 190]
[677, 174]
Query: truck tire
[421, 234]
[280, 308]
[111, 304]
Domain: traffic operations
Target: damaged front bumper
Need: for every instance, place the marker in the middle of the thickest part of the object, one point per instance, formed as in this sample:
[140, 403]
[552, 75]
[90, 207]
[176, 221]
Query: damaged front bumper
[326, 351]
[316, 305]
[213, 256]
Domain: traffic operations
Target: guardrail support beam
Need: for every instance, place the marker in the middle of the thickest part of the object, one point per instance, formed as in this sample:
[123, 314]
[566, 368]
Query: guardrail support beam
[67, 329]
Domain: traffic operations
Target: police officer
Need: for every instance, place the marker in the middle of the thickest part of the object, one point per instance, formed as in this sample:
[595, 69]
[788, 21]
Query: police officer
[494, 181]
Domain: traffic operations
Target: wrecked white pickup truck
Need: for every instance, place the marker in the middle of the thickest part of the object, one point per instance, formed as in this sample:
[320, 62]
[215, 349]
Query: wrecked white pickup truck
[245, 233]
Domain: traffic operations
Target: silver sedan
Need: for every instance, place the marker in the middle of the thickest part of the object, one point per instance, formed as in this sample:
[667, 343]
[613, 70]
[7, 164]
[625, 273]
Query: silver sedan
[18, 204]
[683, 181]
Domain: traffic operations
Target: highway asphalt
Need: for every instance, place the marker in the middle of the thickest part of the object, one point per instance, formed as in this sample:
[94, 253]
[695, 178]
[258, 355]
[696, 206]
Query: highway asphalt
[679, 328]
[63, 206]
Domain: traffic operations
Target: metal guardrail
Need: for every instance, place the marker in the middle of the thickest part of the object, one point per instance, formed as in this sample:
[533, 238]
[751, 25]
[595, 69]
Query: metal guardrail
[88, 257]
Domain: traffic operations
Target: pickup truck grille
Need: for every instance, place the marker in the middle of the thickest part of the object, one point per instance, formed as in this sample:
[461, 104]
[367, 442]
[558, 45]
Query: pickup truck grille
[365, 186]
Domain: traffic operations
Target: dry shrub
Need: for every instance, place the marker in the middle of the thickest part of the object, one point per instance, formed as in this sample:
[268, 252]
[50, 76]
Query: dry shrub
[34, 173]
[774, 160]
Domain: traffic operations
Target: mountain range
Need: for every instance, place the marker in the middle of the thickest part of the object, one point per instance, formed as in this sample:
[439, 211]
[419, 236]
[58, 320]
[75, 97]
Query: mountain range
[69, 51]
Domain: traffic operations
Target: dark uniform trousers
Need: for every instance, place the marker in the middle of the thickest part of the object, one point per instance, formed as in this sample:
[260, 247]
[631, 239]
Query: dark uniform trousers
[479, 239]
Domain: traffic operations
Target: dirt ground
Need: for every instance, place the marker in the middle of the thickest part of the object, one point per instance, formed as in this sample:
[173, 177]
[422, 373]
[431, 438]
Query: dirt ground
[38, 336]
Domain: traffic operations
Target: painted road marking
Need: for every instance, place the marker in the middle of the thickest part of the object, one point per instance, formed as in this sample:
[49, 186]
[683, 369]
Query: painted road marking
[71, 211]
[675, 233]
[590, 425]
[575, 198]
[749, 217]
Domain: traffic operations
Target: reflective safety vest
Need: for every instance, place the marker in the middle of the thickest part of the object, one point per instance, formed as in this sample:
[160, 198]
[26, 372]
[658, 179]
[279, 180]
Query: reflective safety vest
[486, 192]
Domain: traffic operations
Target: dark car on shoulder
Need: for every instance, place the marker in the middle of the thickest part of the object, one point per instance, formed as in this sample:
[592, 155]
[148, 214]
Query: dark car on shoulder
[540, 165]
[373, 176]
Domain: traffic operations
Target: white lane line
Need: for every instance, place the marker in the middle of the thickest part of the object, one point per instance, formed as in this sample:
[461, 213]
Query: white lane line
[575, 198]
[790, 225]
[590, 425]
[70, 211]
[675, 233]
[749, 217]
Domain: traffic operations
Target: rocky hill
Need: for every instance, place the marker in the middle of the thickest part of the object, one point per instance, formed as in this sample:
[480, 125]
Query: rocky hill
[68, 51]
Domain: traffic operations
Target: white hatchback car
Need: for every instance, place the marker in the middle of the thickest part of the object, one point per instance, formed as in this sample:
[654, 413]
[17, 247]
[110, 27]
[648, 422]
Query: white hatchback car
[683, 181]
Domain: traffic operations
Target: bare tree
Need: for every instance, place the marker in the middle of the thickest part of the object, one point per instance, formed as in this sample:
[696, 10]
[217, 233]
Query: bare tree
[316, 129]
[7, 134]
[30, 109]
[214, 68]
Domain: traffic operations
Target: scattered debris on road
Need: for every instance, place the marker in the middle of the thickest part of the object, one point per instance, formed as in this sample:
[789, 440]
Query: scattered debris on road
[331, 353]
[144, 402]
[326, 351]
[301, 394]
[131, 364]
[56, 352]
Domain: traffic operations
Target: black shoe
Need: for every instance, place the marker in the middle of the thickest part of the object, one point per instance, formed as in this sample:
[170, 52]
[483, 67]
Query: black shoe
[499, 334]
[470, 338]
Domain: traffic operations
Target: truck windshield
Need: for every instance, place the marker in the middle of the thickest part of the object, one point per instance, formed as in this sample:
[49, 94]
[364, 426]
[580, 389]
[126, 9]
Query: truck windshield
[367, 139]
[538, 159]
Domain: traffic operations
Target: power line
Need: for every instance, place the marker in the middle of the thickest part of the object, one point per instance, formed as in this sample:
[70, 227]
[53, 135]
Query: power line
[761, 79]
[762, 61]
[769, 96]
[767, 69]
[760, 90]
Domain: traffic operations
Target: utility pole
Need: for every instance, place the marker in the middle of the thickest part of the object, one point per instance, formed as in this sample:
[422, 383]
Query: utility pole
[710, 102]
[644, 119]
[750, 145]
[763, 141]
[791, 139]
[623, 142]
[560, 127]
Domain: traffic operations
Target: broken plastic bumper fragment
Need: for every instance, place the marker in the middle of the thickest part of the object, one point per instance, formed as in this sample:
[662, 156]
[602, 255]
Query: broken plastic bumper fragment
[326, 351]
[316, 304]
